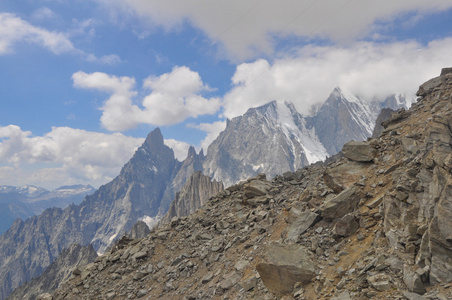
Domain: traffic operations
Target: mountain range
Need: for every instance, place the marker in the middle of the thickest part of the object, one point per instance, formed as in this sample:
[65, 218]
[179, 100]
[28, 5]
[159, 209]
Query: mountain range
[26, 201]
[373, 223]
[270, 139]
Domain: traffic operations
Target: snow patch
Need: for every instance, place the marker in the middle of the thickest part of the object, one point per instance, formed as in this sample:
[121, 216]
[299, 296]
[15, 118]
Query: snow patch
[307, 139]
[113, 237]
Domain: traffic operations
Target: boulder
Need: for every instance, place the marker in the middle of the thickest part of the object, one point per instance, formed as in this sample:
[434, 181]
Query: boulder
[256, 188]
[304, 221]
[359, 151]
[285, 265]
[413, 280]
[346, 226]
[344, 203]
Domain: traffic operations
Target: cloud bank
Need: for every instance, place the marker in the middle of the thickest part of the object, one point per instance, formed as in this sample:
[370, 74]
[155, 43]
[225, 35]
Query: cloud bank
[62, 156]
[245, 29]
[171, 98]
[369, 70]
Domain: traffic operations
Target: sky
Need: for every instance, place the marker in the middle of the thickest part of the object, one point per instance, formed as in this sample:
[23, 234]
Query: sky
[82, 82]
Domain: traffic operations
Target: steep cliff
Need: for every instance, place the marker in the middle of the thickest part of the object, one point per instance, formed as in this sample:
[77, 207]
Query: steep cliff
[195, 193]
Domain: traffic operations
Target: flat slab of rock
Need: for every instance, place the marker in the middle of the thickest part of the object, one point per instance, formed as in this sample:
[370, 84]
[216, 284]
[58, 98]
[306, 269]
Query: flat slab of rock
[344, 203]
[359, 151]
[256, 188]
[304, 221]
[285, 265]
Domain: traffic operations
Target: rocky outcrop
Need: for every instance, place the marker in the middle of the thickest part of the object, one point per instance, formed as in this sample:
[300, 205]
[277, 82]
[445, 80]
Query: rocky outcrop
[384, 115]
[385, 235]
[139, 230]
[195, 193]
[59, 271]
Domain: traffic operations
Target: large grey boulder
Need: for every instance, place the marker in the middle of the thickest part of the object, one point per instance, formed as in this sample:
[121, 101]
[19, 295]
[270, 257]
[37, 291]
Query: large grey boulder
[303, 222]
[286, 264]
[359, 151]
[257, 188]
[346, 226]
[344, 203]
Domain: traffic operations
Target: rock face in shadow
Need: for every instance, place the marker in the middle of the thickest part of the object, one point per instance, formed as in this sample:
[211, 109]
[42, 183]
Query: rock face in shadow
[139, 230]
[59, 271]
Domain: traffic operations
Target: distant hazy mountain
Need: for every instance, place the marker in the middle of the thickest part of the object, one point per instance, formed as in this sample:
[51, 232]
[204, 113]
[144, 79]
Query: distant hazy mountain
[27, 201]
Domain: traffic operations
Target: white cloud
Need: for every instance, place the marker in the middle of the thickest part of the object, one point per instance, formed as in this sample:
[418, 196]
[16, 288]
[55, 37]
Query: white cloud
[363, 68]
[180, 148]
[212, 130]
[44, 13]
[62, 156]
[247, 28]
[13, 29]
[173, 98]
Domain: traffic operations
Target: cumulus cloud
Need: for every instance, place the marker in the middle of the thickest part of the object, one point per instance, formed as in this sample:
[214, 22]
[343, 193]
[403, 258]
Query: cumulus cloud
[62, 156]
[172, 98]
[247, 28]
[369, 70]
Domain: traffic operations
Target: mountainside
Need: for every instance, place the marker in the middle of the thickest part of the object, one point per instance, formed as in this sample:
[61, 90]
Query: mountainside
[27, 201]
[58, 271]
[195, 193]
[28, 247]
[374, 224]
[344, 117]
[270, 139]
[275, 138]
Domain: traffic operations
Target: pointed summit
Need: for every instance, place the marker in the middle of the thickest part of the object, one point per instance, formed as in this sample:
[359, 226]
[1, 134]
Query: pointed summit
[191, 152]
[155, 137]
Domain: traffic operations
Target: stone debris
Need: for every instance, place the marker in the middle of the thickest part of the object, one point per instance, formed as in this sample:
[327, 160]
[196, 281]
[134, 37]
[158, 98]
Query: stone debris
[376, 226]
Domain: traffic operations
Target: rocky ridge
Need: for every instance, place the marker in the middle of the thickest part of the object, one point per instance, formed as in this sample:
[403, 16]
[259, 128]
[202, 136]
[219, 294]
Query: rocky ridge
[27, 201]
[375, 224]
[195, 193]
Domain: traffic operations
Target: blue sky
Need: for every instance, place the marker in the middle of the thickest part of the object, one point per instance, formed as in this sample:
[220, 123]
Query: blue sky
[83, 82]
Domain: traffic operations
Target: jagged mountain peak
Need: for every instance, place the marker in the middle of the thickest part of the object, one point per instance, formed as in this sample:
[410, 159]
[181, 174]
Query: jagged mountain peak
[191, 151]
